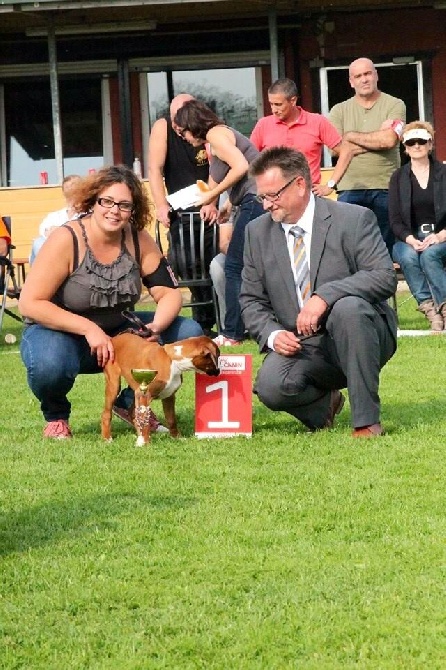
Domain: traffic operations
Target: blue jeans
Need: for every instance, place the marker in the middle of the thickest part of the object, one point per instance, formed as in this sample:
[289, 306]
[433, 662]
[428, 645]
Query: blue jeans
[424, 271]
[53, 359]
[249, 209]
[377, 200]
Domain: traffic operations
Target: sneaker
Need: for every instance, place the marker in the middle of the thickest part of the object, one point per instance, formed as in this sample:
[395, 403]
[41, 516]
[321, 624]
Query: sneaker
[58, 430]
[223, 341]
[126, 415]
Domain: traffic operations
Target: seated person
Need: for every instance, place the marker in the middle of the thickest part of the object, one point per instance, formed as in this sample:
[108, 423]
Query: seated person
[417, 216]
[85, 275]
[55, 219]
[217, 268]
[5, 239]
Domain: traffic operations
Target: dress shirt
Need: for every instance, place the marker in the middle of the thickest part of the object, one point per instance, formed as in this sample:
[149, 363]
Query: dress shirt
[306, 223]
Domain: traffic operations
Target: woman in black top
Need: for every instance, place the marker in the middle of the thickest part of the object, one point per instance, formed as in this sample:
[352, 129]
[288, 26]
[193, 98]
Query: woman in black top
[417, 214]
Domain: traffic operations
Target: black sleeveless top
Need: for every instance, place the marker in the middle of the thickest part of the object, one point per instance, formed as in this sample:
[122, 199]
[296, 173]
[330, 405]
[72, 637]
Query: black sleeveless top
[184, 163]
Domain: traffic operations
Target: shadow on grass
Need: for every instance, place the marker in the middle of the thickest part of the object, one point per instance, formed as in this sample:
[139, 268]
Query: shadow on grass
[40, 525]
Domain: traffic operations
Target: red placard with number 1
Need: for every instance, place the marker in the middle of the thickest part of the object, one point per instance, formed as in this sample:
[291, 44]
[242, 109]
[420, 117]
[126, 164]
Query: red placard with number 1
[223, 404]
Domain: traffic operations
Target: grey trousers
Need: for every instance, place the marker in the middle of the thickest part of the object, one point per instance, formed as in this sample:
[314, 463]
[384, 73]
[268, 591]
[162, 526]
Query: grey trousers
[356, 345]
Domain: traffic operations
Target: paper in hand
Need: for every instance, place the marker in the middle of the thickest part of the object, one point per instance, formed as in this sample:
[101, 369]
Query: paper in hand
[188, 196]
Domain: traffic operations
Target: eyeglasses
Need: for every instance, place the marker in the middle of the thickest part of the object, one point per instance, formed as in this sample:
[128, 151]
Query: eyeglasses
[273, 197]
[182, 132]
[108, 203]
[412, 143]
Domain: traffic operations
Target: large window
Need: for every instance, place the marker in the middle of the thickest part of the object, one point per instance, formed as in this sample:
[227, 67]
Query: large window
[230, 92]
[29, 137]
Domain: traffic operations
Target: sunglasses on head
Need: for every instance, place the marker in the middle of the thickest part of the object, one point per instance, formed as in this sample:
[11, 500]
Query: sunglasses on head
[412, 143]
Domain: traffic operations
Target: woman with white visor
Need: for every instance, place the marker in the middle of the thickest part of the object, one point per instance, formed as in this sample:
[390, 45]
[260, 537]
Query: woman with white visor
[417, 215]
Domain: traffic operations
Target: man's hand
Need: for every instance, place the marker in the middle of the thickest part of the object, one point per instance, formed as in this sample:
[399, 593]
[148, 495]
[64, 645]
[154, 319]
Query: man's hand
[322, 190]
[162, 214]
[286, 343]
[310, 315]
[209, 213]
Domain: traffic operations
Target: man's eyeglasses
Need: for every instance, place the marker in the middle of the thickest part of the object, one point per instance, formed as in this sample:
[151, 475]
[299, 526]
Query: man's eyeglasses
[182, 132]
[108, 203]
[273, 197]
[412, 143]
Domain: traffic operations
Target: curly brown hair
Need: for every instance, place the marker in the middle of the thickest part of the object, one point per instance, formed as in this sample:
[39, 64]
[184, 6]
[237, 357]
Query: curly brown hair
[90, 188]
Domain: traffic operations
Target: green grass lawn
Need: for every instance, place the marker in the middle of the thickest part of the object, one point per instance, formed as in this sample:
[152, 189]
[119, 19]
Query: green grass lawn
[287, 550]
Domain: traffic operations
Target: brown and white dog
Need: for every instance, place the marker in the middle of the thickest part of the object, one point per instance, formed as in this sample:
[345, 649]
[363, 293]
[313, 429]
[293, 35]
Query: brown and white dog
[170, 361]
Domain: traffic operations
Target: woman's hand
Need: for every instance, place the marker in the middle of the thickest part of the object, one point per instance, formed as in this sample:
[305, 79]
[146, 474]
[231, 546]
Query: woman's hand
[206, 198]
[100, 344]
[429, 241]
[412, 241]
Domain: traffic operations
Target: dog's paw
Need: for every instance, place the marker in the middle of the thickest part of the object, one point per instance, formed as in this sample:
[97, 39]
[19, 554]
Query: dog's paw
[140, 441]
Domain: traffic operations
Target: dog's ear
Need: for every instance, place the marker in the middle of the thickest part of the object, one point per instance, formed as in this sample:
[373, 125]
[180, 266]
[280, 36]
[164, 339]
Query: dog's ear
[213, 352]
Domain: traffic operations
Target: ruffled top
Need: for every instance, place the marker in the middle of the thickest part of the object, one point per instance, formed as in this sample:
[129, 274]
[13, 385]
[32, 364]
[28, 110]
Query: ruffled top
[101, 291]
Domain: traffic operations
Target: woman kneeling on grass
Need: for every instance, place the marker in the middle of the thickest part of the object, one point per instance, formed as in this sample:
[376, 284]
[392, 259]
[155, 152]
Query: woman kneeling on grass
[85, 275]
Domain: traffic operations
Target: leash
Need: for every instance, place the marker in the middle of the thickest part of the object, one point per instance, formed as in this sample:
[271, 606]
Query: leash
[141, 328]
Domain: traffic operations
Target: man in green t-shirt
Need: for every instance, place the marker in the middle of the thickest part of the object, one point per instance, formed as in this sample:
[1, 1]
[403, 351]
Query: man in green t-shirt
[370, 124]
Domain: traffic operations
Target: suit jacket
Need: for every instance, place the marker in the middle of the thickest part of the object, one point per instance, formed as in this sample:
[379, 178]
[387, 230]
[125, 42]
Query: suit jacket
[348, 257]
[400, 200]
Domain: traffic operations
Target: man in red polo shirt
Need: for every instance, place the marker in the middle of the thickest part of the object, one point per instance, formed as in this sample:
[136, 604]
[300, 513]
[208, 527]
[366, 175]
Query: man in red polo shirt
[292, 126]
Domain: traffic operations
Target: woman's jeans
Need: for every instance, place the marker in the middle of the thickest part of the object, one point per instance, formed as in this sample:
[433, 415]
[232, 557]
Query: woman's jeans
[249, 209]
[424, 271]
[53, 359]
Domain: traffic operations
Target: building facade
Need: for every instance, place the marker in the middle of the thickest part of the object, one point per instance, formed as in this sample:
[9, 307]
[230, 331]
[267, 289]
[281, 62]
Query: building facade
[82, 82]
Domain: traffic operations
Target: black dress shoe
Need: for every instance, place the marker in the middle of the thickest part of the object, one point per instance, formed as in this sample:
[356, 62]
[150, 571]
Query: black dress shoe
[337, 401]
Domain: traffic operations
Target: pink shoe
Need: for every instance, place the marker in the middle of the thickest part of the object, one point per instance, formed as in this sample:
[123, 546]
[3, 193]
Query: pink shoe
[223, 341]
[58, 430]
[126, 415]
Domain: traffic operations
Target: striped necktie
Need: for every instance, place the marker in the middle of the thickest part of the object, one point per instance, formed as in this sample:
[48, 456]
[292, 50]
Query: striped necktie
[301, 269]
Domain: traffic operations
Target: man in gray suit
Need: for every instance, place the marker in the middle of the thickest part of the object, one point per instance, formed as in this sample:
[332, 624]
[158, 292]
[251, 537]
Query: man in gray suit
[342, 332]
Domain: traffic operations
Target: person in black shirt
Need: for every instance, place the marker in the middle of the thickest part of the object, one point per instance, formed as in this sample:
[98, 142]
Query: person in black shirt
[174, 164]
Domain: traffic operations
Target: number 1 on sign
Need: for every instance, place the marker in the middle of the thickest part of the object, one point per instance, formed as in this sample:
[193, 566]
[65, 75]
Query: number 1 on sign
[224, 423]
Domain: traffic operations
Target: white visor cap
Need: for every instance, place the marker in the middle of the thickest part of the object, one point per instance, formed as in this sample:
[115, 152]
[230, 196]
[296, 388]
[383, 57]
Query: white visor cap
[417, 134]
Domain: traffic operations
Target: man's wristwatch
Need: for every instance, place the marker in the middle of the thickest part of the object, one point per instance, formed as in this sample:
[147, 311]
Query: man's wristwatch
[332, 184]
